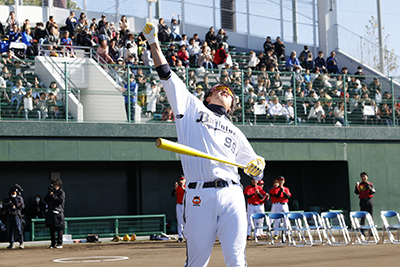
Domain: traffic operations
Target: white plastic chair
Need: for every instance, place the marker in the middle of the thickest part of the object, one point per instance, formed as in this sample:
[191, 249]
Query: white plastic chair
[316, 226]
[341, 227]
[299, 230]
[258, 216]
[391, 215]
[281, 228]
[357, 230]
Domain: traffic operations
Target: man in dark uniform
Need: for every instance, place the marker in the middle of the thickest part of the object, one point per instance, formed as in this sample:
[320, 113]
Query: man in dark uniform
[55, 220]
[13, 205]
[365, 191]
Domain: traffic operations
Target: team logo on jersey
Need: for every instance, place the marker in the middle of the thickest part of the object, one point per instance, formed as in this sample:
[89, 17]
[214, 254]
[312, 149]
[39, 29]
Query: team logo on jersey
[196, 201]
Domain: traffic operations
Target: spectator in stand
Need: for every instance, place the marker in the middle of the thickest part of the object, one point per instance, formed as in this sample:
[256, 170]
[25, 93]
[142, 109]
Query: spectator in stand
[260, 89]
[113, 50]
[275, 110]
[184, 40]
[253, 60]
[51, 26]
[317, 113]
[292, 62]
[68, 44]
[263, 75]
[17, 92]
[11, 20]
[28, 106]
[272, 61]
[298, 78]
[211, 39]
[199, 92]
[175, 36]
[133, 94]
[14, 34]
[163, 31]
[171, 55]
[105, 32]
[262, 60]
[306, 58]
[94, 24]
[41, 106]
[276, 82]
[221, 39]
[268, 45]
[329, 112]
[103, 51]
[102, 22]
[79, 28]
[131, 49]
[385, 114]
[339, 113]
[71, 22]
[194, 50]
[289, 94]
[360, 74]
[320, 61]
[82, 17]
[183, 55]
[25, 25]
[204, 59]
[220, 57]
[27, 38]
[123, 27]
[279, 49]
[332, 64]
[40, 33]
[205, 84]
[168, 115]
[197, 39]
[288, 112]
[147, 59]
[86, 37]
[375, 88]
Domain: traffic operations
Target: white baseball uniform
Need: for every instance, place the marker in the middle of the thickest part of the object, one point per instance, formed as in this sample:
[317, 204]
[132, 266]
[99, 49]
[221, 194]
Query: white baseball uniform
[210, 211]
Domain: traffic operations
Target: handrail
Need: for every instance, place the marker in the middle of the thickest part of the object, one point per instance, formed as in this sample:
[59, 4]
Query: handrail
[74, 89]
[121, 81]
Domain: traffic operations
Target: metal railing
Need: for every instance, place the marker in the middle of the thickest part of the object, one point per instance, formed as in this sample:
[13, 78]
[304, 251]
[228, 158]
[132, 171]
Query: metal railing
[366, 51]
[105, 226]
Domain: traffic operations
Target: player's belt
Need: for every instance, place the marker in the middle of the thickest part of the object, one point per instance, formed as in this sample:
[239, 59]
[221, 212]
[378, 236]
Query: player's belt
[216, 184]
[283, 203]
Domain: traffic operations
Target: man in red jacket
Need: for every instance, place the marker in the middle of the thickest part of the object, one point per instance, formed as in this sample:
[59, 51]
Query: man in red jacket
[365, 191]
[179, 192]
[279, 198]
[254, 195]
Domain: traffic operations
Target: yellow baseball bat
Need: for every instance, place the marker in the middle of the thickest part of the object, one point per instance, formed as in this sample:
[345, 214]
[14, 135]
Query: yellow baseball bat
[189, 151]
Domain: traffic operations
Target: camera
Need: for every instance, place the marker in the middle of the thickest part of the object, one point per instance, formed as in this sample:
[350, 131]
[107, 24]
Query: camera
[19, 189]
[51, 188]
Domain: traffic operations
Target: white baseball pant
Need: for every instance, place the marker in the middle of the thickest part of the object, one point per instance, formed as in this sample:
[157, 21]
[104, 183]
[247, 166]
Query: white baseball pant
[251, 209]
[179, 219]
[279, 207]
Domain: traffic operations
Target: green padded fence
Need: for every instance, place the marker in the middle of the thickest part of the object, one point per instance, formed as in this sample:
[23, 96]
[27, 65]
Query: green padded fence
[105, 226]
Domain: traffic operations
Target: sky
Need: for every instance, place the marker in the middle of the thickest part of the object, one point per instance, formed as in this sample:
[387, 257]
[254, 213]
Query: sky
[352, 14]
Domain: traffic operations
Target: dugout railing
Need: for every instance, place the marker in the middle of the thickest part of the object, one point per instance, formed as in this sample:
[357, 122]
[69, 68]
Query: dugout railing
[105, 226]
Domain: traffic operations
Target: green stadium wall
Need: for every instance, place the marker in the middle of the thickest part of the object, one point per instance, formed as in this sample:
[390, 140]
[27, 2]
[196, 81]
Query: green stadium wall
[115, 169]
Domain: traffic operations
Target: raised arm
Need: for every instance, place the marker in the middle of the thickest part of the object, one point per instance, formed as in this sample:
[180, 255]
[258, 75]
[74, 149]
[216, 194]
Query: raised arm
[150, 32]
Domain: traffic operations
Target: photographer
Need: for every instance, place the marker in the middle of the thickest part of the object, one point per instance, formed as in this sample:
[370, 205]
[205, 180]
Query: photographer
[12, 205]
[55, 200]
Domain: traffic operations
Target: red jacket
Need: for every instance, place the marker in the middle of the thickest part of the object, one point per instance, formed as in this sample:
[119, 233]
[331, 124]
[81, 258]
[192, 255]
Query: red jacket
[252, 197]
[365, 190]
[277, 194]
[180, 192]
[184, 56]
[220, 56]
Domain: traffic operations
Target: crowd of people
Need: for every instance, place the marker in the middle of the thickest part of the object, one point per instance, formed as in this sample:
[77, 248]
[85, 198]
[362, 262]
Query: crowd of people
[316, 83]
[15, 216]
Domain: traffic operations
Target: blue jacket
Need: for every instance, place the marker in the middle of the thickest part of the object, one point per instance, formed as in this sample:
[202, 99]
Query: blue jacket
[133, 91]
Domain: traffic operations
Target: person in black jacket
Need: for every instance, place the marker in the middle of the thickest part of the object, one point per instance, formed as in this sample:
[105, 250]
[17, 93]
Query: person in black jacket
[55, 200]
[13, 205]
[37, 209]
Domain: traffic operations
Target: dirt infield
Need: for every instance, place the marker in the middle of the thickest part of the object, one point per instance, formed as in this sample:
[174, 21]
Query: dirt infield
[172, 254]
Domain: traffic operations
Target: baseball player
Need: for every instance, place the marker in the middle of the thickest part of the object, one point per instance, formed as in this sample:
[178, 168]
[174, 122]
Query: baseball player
[365, 191]
[214, 203]
[254, 195]
[279, 197]
[179, 192]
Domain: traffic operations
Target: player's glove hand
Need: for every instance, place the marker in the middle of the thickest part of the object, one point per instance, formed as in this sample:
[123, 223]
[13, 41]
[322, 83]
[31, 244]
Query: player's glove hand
[150, 32]
[255, 167]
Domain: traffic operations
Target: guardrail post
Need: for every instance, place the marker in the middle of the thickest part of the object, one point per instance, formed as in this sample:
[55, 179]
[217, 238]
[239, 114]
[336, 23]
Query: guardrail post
[66, 227]
[242, 95]
[344, 100]
[32, 230]
[187, 78]
[129, 92]
[393, 102]
[116, 227]
[294, 90]
[66, 90]
[165, 224]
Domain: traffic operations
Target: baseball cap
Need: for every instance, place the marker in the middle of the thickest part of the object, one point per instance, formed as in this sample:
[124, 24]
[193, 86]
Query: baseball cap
[375, 78]
[262, 98]
[199, 86]
[260, 182]
[281, 178]
[236, 65]
[120, 59]
[181, 178]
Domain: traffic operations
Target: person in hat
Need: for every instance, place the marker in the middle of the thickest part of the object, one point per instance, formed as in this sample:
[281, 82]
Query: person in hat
[102, 22]
[199, 92]
[254, 195]
[279, 197]
[179, 192]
